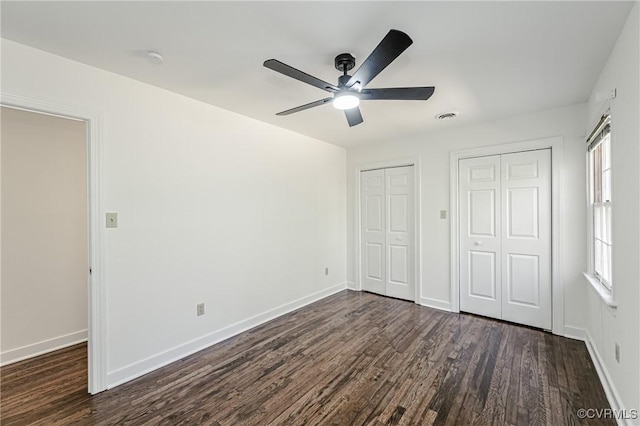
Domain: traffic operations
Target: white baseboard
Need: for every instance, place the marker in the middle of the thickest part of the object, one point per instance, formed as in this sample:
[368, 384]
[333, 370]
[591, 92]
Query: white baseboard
[43, 347]
[352, 286]
[159, 360]
[435, 304]
[603, 374]
[575, 333]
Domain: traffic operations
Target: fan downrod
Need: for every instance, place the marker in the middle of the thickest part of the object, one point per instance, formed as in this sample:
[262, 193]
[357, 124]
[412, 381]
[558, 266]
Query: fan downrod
[345, 62]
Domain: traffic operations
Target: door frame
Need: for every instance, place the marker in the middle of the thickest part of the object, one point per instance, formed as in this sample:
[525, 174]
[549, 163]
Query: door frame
[554, 143]
[411, 161]
[96, 341]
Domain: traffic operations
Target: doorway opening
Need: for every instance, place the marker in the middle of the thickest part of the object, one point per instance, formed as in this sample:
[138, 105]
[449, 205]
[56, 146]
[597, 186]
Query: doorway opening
[45, 238]
[94, 297]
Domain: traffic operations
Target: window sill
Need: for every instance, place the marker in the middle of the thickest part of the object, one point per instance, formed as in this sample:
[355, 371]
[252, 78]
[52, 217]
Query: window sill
[604, 293]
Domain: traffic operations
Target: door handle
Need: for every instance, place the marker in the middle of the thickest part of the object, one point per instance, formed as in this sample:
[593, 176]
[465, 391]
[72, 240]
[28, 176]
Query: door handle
[398, 238]
[478, 243]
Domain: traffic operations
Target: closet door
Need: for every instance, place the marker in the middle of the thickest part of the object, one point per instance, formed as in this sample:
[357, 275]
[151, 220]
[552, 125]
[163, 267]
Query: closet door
[400, 233]
[387, 232]
[373, 232]
[505, 237]
[480, 236]
[526, 238]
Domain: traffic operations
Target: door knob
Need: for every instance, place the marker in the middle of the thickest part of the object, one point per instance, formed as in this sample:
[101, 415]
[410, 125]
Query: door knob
[478, 243]
[399, 238]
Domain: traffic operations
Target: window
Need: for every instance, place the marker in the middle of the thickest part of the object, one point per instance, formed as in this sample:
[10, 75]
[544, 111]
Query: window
[599, 155]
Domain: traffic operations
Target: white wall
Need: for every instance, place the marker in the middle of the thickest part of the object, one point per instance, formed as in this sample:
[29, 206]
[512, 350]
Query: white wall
[434, 149]
[44, 240]
[213, 207]
[622, 325]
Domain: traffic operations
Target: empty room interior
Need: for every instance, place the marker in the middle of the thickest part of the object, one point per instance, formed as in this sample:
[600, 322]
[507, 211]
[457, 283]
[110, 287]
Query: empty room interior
[350, 213]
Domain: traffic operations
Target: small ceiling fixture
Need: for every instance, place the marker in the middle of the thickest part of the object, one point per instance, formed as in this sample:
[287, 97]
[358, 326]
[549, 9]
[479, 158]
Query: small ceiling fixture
[447, 115]
[154, 57]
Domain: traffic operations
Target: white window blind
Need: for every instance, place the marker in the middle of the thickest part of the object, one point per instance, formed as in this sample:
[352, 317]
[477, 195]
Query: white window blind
[599, 151]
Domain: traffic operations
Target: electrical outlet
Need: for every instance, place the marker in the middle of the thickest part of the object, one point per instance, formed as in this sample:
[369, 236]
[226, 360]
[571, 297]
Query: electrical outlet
[200, 309]
[443, 214]
[326, 270]
[618, 353]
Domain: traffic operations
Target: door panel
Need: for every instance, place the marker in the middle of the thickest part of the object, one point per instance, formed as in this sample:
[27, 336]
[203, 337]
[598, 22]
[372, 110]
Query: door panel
[526, 238]
[522, 212]
[523, 281]
[480, 260]
[374, 261]
[400, 233]
[374, 213]
[482, 274]
[387, 232]
[482, 173]
[398, 213]
[522, 170]
[373, 232]
[482, 213]
[398, 180]
[398, 264]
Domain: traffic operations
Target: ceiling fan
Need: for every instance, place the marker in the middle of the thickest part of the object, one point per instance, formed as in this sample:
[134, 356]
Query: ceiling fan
[351, 89]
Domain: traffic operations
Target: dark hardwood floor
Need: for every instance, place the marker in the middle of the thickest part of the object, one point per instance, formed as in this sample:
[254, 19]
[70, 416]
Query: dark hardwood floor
[350, 359]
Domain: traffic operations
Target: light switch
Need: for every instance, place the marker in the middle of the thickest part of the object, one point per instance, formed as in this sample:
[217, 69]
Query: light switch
[112, 220]
[443, 214]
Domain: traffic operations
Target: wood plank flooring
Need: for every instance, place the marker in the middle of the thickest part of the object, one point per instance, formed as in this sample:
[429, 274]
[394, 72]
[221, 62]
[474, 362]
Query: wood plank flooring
[350, 359]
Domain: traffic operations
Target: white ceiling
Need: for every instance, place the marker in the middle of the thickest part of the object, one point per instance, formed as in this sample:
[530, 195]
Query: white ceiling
[487, 60]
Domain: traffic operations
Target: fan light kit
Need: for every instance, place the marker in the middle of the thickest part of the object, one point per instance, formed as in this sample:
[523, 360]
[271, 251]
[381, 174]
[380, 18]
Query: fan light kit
[350, 90]
[345, 100]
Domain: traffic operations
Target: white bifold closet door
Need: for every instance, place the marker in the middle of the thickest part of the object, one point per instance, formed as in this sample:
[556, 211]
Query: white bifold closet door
[387, 232]
[505, 237]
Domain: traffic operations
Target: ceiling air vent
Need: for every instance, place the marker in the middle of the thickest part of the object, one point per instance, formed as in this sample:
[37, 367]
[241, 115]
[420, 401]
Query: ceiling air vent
[447, 115]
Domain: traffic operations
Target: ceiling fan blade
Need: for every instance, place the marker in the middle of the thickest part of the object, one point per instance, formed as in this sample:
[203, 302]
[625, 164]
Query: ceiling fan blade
[305, 106]
[289, 71]
[398, 93]
[354, 117]
[391, 46]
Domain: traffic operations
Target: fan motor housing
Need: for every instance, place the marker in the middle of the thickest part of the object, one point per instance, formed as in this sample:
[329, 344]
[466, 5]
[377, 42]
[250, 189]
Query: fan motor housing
[343, 79]
[345, 62]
